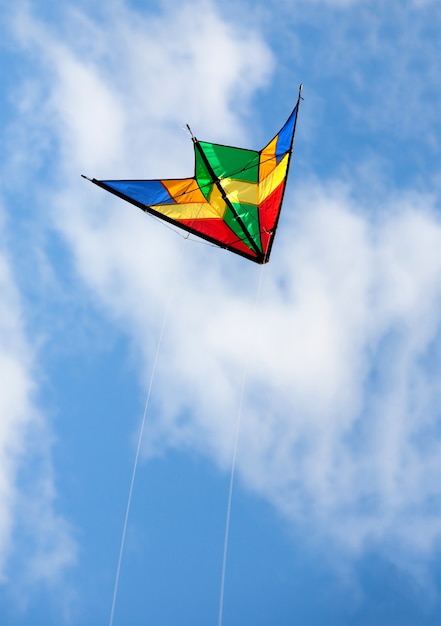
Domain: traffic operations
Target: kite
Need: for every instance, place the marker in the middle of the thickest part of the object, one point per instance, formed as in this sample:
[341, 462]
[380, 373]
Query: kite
[234, 198]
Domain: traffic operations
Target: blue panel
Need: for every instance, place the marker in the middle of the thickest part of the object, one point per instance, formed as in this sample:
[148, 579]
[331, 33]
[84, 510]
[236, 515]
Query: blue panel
[285, 136]
[148, 192]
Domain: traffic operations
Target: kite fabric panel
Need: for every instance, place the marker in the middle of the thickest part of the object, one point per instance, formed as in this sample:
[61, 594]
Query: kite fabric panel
[233, 200]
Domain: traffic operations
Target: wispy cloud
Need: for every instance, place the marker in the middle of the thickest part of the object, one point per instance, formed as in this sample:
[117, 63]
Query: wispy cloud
[35, 541]
[15, 402]
[373, 70]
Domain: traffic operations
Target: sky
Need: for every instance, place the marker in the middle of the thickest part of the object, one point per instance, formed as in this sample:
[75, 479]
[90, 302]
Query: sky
[326, 361]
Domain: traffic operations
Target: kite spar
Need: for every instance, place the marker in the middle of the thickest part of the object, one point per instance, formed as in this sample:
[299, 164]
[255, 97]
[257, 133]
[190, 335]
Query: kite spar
[234, 198]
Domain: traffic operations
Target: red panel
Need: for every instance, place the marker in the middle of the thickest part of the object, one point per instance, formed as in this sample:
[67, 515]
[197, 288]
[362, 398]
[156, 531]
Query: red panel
[218, 231]
[269, 212]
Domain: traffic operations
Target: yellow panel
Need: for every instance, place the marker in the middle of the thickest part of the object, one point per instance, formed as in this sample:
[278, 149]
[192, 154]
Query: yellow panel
[240, 191]
[184, 191]
[268, 159]
[217, 202]
[272, 181]
[192, 211]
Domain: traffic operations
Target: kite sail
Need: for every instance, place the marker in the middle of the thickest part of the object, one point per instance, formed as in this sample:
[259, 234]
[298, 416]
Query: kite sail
[234, 198]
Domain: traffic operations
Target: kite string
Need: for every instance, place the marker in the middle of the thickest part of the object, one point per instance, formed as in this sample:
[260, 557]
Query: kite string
[140, 437]
[234, 457]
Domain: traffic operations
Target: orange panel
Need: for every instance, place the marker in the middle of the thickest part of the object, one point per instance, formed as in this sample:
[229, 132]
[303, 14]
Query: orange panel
[184, 191]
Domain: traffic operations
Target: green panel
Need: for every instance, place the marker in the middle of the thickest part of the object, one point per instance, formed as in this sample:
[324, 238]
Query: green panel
[228, 162]
[203, 177]
[250, 218]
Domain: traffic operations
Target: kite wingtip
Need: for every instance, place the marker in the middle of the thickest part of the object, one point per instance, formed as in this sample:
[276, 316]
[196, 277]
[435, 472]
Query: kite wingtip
[191, 134]
[86, 177]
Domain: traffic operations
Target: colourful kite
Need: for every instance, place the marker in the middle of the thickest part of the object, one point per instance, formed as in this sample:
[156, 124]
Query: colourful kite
[233, 200]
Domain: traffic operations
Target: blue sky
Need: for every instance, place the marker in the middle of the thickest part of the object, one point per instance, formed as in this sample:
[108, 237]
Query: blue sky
[335, 513]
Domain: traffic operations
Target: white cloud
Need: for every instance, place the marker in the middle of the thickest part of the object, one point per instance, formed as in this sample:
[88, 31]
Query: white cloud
[341, 421]
[150, 72]
[341, 417]
[15, 408]
[27, 512]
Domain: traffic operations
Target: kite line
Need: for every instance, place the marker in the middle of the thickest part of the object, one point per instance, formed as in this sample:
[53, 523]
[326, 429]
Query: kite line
[140, 437]
[234, 456]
